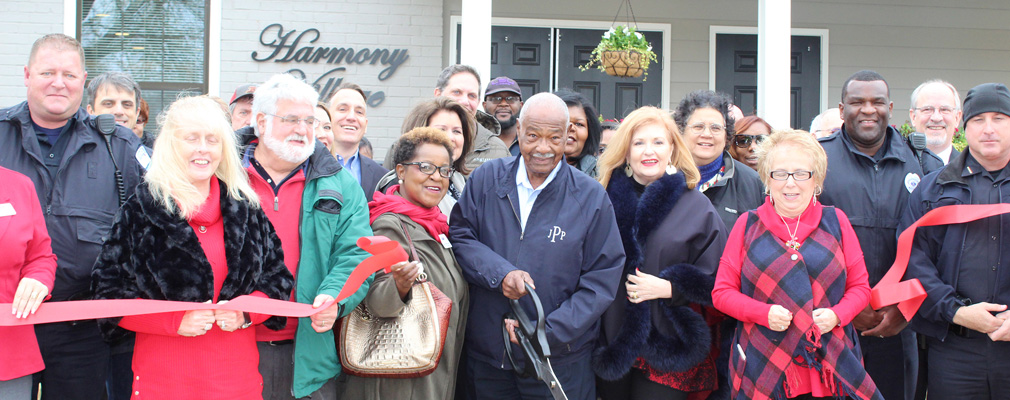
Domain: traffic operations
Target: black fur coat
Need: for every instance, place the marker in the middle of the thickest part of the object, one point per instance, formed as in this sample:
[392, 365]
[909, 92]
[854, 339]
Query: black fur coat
[675, 234]
[154, 254]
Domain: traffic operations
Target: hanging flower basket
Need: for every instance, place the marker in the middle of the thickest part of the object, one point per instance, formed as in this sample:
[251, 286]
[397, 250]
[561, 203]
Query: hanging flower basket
[623, 63]
[622, 52]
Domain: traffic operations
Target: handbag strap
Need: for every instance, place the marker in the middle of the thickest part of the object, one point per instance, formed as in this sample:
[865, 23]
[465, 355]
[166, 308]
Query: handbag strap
[413, 252]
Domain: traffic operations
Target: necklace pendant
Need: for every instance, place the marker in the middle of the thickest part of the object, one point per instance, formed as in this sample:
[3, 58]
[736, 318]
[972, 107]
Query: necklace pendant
[203, 229]
[793, 244]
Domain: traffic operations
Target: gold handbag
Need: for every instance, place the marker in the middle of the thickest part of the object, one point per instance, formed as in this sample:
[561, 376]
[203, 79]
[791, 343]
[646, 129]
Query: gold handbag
[405, 346]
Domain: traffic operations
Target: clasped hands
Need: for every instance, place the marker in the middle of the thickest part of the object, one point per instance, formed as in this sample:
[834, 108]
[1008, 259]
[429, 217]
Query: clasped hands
[979, 317]
[779, 319]
[199, 322]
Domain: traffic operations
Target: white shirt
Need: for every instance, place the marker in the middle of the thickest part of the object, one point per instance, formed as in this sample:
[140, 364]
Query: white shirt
[527, 194]
[945, 154]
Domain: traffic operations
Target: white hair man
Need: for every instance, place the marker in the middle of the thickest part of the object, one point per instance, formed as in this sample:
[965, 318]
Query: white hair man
[565, 226]
[826, 123]
[319, 212]
[936, 112]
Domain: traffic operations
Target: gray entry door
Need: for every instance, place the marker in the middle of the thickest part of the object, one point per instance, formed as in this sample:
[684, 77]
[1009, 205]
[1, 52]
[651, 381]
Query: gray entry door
[736, 74]
[613, 97]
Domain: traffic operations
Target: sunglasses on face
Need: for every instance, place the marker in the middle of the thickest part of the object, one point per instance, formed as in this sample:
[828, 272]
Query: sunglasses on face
[428, 168]
[744, 141]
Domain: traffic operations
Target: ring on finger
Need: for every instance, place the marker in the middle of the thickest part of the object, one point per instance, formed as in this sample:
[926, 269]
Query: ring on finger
[208, 326]
[634, 295]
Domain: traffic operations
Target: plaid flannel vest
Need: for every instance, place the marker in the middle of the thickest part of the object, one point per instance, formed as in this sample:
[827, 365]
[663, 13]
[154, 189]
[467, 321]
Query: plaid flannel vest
[815, 279]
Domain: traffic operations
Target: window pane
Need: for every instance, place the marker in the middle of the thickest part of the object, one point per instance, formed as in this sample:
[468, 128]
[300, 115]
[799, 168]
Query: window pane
[153, 41]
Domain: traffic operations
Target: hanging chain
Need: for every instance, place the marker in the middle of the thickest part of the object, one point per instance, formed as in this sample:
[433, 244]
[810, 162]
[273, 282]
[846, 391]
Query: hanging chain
[629, 14]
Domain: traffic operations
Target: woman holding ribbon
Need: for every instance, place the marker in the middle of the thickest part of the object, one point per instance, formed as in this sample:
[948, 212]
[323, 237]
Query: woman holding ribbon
[793, 276]
[28, 269]
[655, 340]
[193, 232]
[408, 213]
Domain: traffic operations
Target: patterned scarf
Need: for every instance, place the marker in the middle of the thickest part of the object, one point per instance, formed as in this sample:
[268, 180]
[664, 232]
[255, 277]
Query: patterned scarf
[814, 279]
[431, 219]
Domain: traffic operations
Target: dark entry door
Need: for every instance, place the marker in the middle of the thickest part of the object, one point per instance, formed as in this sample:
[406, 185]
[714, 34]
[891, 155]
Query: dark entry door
[613, 97]
[520, 53]
[736, 74]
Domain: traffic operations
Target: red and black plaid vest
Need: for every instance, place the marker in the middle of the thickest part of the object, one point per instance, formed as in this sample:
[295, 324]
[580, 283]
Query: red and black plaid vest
[814, 279]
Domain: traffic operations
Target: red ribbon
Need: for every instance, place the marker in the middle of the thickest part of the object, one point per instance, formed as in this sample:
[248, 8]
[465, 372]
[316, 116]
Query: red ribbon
[385, 253]
[909, 295]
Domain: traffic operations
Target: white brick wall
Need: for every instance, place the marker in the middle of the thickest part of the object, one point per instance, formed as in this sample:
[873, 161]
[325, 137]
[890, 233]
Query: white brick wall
[357, 24]
[25, 21]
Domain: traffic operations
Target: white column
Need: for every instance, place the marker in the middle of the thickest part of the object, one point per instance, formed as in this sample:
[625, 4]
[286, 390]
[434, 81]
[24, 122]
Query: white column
[774, 45]
[475, 39]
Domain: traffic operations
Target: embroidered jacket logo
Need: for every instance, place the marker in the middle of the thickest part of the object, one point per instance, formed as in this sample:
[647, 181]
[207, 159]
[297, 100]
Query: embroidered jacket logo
[555, 233]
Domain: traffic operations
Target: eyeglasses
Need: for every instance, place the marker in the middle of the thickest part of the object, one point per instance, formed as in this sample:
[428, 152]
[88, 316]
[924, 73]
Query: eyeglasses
[744, 141]
[292, 120]
[699, 128]
[498, 99]
[798, 176]
[929, 110]
[429, 169]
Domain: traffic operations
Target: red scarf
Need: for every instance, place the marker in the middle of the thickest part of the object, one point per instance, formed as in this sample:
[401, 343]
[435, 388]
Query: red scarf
[431, 219]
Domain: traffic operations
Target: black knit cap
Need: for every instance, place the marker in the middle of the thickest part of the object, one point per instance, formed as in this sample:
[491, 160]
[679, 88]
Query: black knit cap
[987, 97]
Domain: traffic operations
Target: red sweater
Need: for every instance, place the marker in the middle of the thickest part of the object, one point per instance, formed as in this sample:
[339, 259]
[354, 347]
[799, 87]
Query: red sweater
[283, 209]
[216, 365]
[726, 295]
[27, 253]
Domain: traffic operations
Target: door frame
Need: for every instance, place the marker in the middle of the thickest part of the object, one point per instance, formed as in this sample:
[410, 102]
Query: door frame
[714, 30]
[574, 24]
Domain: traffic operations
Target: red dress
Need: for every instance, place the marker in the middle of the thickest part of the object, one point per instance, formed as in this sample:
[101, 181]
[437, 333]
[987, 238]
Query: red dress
[216, 365]
[26, 254]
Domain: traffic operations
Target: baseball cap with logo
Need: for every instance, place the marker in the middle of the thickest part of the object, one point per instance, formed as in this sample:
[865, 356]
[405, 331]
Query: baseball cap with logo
[502, 84]
[242, 91]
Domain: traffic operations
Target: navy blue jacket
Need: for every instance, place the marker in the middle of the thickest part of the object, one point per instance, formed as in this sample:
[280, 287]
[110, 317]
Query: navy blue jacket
[81, 200]
[937, 251]
[872, 193]
[571, 248]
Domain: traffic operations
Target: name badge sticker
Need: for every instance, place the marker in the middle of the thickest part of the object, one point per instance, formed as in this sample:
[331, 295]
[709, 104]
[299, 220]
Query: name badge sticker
[444, 240]
[6, 210]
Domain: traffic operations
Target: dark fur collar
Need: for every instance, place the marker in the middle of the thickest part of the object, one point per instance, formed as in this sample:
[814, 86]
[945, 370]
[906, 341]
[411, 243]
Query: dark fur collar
[638, 216]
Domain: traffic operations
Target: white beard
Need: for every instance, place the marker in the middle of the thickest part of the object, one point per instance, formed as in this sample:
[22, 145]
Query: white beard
[287, 152]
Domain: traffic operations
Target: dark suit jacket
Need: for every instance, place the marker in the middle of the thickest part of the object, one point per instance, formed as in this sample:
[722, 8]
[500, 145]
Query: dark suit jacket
[371, 172]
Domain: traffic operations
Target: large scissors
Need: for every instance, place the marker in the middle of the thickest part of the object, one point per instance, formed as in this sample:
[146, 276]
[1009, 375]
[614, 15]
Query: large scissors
[532, 338]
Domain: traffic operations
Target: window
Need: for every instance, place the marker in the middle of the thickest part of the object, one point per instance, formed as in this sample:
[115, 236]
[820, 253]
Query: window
[162, 44]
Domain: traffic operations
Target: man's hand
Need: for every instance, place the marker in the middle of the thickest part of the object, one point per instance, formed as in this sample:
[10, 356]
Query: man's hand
[979, 317]
[28, 297]
[323, 321]
[642, 286]
[867, 319]
[196, 322]
[825, 319]
[891, 324]
[513, 286]
[511, 324]
[779, 318]
[1003, 333]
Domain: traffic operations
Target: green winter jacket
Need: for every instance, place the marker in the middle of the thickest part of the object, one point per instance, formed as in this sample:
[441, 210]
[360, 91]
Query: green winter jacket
[334, 215]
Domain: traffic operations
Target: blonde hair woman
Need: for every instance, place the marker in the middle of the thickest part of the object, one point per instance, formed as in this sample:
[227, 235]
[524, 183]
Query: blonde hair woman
[193, 232]
[655, 342]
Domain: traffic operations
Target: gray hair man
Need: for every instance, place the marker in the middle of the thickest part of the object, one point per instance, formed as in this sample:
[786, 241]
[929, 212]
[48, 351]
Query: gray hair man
[564, 224]
[319, 212]
[826, 123]
[936, 112]
[74, 167]
[964, 316]
[462, 83]
[115, 93]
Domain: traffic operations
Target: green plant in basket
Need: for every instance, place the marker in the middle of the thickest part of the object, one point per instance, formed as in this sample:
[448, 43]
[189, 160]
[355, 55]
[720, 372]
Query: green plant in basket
[622, 52]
